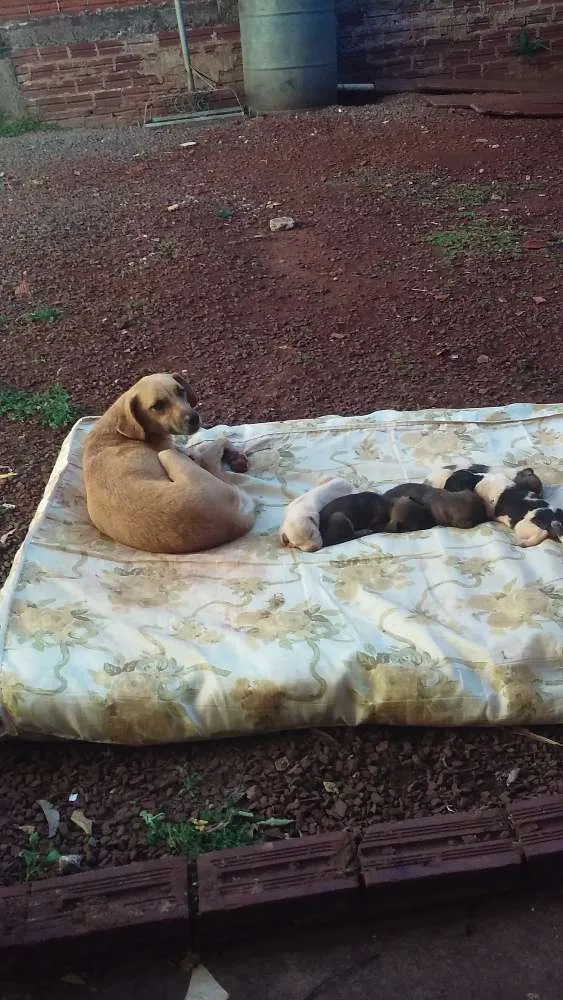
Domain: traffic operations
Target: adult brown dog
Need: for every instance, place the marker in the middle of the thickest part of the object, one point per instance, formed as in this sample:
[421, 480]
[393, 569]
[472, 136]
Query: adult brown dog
[143, 492]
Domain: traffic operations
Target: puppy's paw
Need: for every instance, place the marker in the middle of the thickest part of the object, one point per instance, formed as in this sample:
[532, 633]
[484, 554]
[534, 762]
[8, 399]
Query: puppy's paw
[236, 460]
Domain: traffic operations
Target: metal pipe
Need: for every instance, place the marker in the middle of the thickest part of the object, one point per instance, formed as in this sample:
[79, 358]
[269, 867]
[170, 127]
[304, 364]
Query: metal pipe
[356, 86]
[184, 44]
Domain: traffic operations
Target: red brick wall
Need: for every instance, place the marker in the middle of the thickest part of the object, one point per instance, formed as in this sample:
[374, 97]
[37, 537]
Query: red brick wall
[402, 38]
[99, 83]
[25, 9]
[111, 79]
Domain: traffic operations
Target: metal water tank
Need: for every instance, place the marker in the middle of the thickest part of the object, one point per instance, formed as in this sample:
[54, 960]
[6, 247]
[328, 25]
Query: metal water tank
[288, 53]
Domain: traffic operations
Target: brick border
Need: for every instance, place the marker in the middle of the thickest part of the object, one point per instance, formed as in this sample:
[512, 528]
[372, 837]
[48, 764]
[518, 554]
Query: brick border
[307, 880]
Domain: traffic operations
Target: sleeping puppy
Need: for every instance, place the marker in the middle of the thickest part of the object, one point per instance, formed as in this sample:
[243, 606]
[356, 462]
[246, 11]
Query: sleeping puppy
[353, 515]
[300, 528]
[533, 519]
[408, 514]
[514, 501]
[142, 492]
[487, 481]
[463, 509]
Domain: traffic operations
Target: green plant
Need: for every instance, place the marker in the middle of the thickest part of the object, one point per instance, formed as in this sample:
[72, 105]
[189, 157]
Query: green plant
[43, 314]
[478, 237]
[528, 47]
[213, 830]
[34, 859]
[189, 781]
[223, 212]
[471, 195]
[53, 406]
[304, 359]
[10, 127]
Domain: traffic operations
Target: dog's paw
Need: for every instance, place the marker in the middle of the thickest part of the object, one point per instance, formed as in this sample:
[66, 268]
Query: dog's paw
[236, 460]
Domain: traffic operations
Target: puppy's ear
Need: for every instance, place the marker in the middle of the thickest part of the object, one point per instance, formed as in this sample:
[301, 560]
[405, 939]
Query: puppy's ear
[128, 422]
[190, 394]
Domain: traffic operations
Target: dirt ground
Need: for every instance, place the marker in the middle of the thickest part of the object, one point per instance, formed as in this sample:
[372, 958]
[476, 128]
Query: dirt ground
[425, 270]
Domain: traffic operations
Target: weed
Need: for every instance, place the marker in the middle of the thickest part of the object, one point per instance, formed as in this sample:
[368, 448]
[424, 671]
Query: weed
[529, 47]
[189, 781]
[36, 861]
[477, 238]
[213, 830]
[10, 127]
[43, 314]
[223, 212]
[52, 406]
[304, 359]
[471, 195]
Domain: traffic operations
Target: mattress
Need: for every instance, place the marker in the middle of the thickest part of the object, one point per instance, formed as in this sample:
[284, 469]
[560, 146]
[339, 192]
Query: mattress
[99, 642]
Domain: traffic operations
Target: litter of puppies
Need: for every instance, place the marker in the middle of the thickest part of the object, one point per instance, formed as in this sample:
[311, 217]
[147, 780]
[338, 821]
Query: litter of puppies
[453, 497]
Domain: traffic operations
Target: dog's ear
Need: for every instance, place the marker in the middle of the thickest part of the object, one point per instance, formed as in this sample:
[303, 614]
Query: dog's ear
[128, 422]
[190, 394]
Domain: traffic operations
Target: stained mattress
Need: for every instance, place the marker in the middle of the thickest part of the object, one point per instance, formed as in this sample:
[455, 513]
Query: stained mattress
[443, 627]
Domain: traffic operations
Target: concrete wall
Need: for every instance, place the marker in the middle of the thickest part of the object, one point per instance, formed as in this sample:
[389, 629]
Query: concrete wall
[74, 61]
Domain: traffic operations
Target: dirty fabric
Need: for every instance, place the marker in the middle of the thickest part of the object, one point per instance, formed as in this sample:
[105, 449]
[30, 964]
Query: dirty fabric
[441, 627]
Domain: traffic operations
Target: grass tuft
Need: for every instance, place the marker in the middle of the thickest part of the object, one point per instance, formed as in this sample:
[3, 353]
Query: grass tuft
[52, 406]
[213, 830]
[477, 238]
[12, 127]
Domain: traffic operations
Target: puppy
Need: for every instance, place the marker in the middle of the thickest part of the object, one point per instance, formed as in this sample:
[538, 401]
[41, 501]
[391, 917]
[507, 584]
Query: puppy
[514, 501]
[300, 528]
[451, 510]
[488, 482]
[349, 516]
[144, 493]
[533, 519]
[408, 514]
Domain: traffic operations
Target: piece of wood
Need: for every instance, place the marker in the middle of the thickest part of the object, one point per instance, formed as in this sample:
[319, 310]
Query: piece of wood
[451, 100]
[519, 105]
[460, 85]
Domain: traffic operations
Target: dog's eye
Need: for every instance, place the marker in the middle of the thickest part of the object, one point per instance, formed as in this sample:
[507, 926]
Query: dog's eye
[159, 405]
[180, 391]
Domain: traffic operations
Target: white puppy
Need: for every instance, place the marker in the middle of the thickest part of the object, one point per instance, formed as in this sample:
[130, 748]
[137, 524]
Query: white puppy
[300, 528]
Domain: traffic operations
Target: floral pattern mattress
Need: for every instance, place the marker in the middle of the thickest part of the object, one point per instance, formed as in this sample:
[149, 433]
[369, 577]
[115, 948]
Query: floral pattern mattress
[441, 627]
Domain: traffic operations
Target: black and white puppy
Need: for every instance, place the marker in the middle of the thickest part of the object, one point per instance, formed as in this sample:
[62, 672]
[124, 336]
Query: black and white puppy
[513, 500]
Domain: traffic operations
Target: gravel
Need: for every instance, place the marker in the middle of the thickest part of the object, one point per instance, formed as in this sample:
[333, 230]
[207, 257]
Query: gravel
[354, 310]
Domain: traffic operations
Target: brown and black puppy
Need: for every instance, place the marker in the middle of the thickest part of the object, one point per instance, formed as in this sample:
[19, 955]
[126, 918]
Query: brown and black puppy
[353, 515]
[145, 493]
[451, 510]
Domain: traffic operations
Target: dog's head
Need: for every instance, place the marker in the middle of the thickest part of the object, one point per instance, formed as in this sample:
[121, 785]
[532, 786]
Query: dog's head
[301, 531]
[158, 405]
[526, 479]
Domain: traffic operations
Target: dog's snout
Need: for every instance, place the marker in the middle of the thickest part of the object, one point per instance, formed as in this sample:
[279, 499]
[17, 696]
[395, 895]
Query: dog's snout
[193, 420]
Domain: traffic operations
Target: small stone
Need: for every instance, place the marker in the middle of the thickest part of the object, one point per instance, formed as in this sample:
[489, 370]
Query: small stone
[282, 223]
[251, 793]
[340, 808]
[281, 764]
[483, 359]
